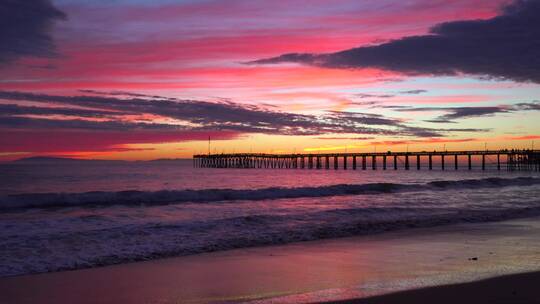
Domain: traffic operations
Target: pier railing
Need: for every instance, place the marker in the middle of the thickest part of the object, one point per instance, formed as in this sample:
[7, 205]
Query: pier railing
[511, 160]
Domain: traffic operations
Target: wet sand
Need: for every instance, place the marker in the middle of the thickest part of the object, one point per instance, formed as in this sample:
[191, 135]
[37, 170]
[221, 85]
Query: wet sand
[515, 289]
[319, 271]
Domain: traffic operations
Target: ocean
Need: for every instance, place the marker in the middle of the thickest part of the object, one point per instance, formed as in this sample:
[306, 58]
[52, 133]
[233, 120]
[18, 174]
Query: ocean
[59, 215]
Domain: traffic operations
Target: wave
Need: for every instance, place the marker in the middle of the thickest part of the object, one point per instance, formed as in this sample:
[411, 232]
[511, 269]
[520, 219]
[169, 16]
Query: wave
[77, 249]
[136, 198]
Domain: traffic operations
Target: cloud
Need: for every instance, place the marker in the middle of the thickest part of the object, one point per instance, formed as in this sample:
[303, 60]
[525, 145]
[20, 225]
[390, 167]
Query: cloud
[454, 113]
[365, 103]
[126, 114]
[392, 107]
[503, 47]
[25, 29]
[378, 105]
[16, 122]
[364, 118]
[110, 123]
[364, 95]
[347, 121]
[458, 112]
[413, 92]
[346, 138]
[528, 106]
[13, 109]
[465, 112]
[123, 94]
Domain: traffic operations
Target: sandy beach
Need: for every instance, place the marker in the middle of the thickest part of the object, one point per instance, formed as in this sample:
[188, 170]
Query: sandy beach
[319, 271]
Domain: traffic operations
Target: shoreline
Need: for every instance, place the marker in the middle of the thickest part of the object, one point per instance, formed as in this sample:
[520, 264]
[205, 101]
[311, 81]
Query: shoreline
[307, 272]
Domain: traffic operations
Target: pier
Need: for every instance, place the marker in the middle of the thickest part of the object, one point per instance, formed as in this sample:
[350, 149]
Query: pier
[511, 160]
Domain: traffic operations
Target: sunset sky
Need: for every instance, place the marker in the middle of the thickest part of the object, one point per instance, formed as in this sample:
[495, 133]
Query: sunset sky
[140, 79]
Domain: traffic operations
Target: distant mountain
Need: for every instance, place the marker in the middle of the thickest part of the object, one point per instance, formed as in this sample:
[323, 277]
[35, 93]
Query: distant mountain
[50, 159]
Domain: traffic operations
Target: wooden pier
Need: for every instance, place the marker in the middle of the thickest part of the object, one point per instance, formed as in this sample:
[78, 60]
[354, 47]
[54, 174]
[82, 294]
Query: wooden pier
[511, 160]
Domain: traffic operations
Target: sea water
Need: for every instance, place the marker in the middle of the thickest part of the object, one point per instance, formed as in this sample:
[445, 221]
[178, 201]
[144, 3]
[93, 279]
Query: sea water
[57, 214]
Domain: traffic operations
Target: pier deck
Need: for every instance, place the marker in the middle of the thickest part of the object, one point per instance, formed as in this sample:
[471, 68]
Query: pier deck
[511, 160]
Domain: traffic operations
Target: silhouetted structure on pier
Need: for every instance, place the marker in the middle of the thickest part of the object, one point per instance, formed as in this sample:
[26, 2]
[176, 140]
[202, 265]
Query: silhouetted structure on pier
[507, 159]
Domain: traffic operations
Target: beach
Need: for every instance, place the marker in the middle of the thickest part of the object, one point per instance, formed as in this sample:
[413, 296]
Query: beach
[519, 288]
[317, 271]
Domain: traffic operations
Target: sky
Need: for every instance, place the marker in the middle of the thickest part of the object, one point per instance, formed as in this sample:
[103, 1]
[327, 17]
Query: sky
[139, 80]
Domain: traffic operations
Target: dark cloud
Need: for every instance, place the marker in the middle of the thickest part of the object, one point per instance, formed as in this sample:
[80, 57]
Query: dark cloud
[392, 107]
[454, 113]
[123, 94]
[364, 95]
[413, 92]
[528, 106]
[364, 118]
[365, 103]
[439, 120]
[25, 28]
[13, 109]
[503, 47]
[465, 130]
[465, 112]
[16, 122]
[378, 105]
[193, 115]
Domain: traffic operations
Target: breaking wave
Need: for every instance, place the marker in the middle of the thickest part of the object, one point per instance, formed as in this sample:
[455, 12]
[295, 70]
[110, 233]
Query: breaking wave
[120, 244]
[136, 198]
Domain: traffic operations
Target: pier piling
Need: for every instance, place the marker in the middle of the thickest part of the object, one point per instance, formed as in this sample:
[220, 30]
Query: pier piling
[442, 162]
[406, 161]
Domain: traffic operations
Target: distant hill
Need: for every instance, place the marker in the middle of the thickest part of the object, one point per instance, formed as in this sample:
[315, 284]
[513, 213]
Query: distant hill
[49, 159]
